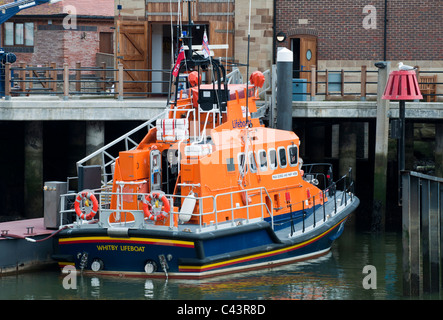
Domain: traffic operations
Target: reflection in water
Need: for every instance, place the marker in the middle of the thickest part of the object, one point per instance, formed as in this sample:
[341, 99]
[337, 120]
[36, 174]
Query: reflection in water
[337, 275]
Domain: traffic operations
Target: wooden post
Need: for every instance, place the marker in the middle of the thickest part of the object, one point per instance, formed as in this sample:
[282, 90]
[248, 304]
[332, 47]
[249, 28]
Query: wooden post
[438, 150]
[421, 225]
[54, 76]
[411, 234]
[120, 81]
[363, 83]
[65, 81]
[103, 77]
[424, 220]
[342, 82]
[22, 77]
[78, 77]
[327, 84]
[313, 82]
[31, 81]
[434, 250]
[7, 81]
[47, 83]
[430, 240]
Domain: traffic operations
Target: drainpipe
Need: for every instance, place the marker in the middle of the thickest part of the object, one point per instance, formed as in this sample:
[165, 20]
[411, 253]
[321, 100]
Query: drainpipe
[274, 32]
[385, 31]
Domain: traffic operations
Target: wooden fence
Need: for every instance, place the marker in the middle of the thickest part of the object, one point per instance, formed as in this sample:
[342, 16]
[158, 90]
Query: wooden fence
[105, 80]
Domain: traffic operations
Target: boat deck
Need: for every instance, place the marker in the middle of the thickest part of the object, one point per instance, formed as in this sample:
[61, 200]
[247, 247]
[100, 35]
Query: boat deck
[23, 228]
[336, 204]
[16, 253]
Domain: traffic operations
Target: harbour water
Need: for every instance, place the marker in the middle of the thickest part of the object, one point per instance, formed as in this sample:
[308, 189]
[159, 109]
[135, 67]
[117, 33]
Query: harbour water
[338, 276]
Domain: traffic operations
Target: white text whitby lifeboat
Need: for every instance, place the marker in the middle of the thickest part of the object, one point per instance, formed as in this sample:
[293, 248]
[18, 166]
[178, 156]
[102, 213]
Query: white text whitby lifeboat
[208, 191]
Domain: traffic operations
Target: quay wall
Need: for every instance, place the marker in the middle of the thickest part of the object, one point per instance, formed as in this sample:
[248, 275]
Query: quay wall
[52, 134]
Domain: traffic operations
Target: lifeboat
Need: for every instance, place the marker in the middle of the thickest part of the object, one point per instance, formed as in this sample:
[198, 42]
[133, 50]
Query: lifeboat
[209, 190]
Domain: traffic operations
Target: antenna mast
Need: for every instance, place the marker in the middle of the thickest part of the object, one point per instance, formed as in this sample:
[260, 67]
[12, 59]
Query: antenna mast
[247, 66]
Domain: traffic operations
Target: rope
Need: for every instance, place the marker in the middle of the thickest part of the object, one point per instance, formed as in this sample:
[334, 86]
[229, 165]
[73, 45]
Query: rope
[30, 239]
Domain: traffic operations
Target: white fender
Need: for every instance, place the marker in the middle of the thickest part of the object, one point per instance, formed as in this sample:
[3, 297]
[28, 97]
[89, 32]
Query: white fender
[187, 208]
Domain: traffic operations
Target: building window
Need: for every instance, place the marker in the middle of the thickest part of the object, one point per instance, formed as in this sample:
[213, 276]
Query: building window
[9, 34]
[18, 34]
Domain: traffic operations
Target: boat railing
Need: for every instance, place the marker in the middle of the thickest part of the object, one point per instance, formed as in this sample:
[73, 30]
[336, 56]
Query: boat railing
[135, 218]
[328, 195]
[248, 193]
[234, 77]
[105, 156]
[314, 212]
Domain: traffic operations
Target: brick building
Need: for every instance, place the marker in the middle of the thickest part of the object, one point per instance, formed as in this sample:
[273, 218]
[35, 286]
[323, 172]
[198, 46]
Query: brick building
[348, 34]
[67, 31]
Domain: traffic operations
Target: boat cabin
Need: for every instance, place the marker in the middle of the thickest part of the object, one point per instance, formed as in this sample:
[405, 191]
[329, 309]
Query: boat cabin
[224, 156]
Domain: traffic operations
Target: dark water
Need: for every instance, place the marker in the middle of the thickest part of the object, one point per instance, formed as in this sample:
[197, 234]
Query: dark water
[337, 276]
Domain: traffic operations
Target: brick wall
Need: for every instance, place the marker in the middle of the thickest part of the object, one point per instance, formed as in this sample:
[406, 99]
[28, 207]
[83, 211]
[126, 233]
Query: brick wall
[52, 43]
[415, 28]
[82, 46]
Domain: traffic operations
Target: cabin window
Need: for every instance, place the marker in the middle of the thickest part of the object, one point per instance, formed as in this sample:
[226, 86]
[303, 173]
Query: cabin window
[282, 157]
[272, 159]
[241, 164]
[262, 160]
[230, 164]
[252, 162]
[293, 156]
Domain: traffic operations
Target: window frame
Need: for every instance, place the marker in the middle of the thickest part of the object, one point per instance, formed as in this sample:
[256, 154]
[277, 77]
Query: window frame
[252, 160]
[260, 164]
[26, 37]
[272, 167]
[279, 157]
[296, 155]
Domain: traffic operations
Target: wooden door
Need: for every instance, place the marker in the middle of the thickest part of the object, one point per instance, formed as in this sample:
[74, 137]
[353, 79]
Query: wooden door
[132, 52]
[106, 44]
[306, 48]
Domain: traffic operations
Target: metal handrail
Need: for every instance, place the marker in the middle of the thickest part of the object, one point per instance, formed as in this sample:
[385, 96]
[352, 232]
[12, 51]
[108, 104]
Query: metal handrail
[139, 214]
[103, 151]
[105, 196]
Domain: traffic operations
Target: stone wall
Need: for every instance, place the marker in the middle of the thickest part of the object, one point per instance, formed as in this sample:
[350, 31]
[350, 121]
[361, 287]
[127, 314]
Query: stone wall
[260, 56]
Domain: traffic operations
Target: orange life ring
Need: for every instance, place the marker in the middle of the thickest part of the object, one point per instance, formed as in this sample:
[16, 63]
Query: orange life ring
[149, 211]
[87, 196]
